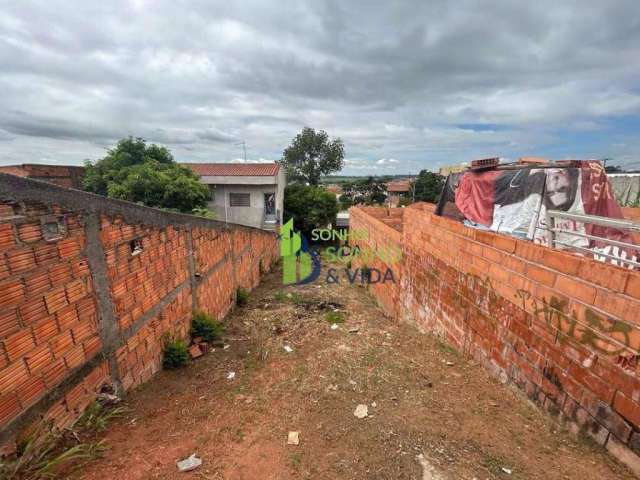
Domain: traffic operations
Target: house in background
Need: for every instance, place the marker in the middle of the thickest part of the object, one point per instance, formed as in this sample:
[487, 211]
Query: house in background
[64, 175]
[396, 190]
[246, 193]
[335, 189]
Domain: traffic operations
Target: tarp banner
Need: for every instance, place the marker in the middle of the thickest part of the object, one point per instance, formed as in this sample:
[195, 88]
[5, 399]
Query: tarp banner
[515, 202]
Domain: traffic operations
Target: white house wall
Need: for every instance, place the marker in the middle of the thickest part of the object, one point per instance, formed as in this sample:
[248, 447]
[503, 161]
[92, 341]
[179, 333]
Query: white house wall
[252, 215]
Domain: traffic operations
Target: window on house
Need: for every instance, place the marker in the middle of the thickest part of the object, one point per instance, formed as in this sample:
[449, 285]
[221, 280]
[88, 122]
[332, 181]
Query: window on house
[239, 200]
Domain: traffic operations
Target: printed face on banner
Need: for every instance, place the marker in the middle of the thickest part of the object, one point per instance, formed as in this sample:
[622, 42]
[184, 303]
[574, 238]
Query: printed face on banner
[516, 202]
[561, 187]
[562, 192]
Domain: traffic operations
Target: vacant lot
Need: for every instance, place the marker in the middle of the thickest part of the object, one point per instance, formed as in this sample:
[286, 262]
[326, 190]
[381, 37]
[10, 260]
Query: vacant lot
[422, 399]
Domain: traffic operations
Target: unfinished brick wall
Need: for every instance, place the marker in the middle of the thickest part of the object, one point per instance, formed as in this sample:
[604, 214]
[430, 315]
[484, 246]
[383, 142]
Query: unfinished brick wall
[64, 175]
[90, 287]
[563, 328]
[383, 227]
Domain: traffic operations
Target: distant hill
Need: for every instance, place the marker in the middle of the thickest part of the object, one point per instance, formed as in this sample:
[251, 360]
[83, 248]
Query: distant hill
[354, 178]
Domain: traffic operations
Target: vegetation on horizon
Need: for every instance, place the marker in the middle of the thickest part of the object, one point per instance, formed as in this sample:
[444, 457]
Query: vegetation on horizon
[428, 186]
[369, 191]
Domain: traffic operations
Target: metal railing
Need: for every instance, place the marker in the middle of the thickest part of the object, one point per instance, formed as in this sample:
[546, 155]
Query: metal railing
[616, 223]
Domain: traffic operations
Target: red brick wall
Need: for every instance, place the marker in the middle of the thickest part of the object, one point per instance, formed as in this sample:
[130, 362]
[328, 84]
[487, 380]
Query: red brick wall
[53, 357]
[138, 282]
[48, 319]
[64, 175]
[561, 327]
[141, 355]
[382, 237]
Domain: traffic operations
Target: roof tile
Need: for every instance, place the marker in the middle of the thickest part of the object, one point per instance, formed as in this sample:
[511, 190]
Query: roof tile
[234, 169]
[399, 186]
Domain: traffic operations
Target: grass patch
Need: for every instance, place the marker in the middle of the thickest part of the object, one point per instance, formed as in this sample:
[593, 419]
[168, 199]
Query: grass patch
[206, 327]
[495, 463]
[96, 417]
[370, 357]
[296, 460]
[291, 297]
[334, 317]
[445, 347]
[250, 363]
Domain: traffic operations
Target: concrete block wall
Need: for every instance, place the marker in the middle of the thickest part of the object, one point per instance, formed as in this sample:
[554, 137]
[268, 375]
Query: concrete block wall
[90, 287]
[562, 327]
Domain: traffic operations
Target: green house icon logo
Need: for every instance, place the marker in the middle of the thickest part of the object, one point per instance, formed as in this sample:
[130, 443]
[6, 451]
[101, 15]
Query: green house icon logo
[298, 264]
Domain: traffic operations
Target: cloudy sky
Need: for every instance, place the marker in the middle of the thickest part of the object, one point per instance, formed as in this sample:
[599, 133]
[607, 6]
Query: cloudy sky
[407, 85]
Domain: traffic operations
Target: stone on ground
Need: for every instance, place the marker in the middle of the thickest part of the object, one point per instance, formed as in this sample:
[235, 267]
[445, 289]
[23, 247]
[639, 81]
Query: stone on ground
[361, 411]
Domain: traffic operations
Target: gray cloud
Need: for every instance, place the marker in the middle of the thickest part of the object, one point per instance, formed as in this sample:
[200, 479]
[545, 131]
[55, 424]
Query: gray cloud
[406, 81]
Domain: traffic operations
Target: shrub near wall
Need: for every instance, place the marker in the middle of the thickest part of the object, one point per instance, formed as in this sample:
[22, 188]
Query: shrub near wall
[90, 287]
[562, 327]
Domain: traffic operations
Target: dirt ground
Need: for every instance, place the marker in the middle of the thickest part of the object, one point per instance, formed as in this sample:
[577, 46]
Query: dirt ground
[422, 398]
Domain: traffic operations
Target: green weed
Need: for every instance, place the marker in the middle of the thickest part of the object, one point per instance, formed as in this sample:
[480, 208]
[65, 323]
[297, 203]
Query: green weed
[206, 327]
[242, 297]
[96, 417]
[444, 347]
[46, 451]
[334, 317]
[291, 297]
[175, 354]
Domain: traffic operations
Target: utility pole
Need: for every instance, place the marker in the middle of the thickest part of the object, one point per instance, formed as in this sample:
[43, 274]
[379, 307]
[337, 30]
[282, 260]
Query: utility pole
[244, 149]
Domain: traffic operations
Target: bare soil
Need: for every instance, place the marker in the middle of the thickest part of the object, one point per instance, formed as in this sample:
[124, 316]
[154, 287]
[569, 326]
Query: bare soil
[422, 397]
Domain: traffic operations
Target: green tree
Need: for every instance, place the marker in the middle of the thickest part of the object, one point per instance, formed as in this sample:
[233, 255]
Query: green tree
[310, 207]
[147, 174]
[372, 190]
[346, 201]
[311, 155]
[428, 186]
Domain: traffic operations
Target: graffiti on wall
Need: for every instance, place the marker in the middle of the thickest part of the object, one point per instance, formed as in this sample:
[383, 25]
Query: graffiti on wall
[601, 334]
[598, 332]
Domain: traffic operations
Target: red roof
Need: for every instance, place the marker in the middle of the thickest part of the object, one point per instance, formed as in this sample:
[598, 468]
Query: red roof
[234, 169]
[399, 186]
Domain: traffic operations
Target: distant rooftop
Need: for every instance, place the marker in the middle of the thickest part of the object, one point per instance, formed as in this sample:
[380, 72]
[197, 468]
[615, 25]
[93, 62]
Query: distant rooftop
[234, 169]
[399, 186]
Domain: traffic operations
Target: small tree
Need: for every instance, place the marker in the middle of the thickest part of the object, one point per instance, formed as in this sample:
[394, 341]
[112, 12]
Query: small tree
[310, 207]
[428, 186]
[147, 174]
[311, 155]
